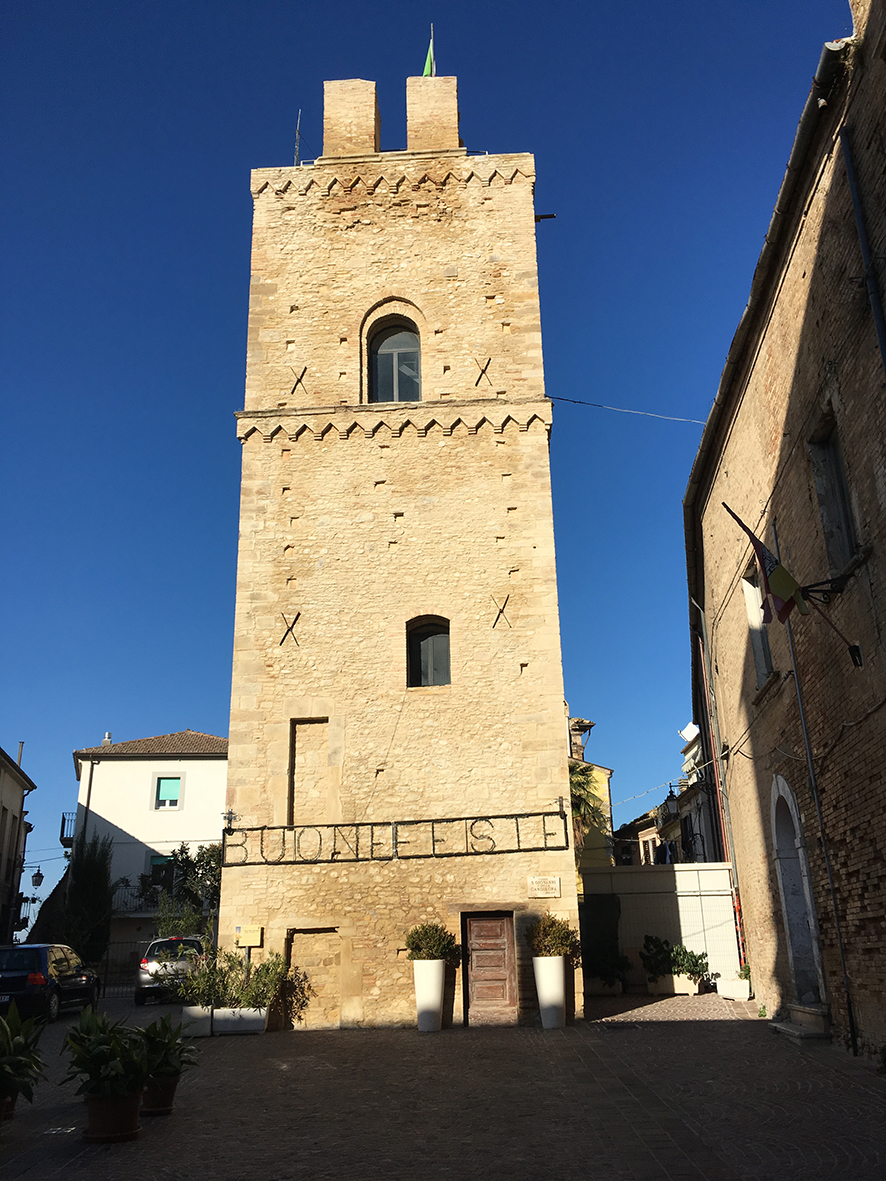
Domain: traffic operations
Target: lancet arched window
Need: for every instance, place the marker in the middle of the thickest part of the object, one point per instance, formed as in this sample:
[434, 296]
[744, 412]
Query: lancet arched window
[427, 651]
[395, 364]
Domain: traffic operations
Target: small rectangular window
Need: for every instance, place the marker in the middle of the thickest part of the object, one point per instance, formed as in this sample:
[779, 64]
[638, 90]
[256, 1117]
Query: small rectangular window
[168, 792]
[829, 477]
[753, 599]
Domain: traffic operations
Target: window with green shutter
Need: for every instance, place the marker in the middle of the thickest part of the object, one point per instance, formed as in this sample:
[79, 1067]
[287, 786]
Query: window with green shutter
[168, 791]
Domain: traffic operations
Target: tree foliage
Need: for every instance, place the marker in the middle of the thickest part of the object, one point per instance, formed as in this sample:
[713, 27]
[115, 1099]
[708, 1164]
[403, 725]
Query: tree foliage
[190, 889]
[588, 811]
[87, 916]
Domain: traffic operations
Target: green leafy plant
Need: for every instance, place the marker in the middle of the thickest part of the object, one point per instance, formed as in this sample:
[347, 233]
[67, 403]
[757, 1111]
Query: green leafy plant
[20, 1062]
[761, 1012]
[656, 958]
[659, 958]
[225, 980]
[550, 935]
[111, 1060]
[176, 918]
[745, 971]
[431, 941]
[167, 1051]
[690, 963]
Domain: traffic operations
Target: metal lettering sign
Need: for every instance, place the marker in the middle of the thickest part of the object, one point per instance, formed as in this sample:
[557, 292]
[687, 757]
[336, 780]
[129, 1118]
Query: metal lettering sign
[398, 840]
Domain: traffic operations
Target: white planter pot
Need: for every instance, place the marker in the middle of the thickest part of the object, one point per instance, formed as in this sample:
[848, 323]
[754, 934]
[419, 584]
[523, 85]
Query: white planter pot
[734, 990]
[238, 1021]
[429, 976]
[197, 1020]
[550, 986]
[678, 985]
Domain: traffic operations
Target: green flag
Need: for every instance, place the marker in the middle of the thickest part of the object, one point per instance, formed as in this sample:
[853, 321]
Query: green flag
[430, 70]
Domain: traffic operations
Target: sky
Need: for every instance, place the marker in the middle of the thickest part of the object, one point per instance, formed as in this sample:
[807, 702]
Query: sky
[661, 134]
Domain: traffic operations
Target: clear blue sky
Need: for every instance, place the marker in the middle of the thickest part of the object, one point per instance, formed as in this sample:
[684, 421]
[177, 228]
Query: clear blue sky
[661, 133]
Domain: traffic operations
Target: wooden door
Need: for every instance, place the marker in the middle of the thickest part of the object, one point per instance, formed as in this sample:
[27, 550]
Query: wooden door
[491, 970]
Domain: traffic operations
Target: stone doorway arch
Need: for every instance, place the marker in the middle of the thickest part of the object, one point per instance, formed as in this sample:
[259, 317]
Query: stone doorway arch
[797, 902]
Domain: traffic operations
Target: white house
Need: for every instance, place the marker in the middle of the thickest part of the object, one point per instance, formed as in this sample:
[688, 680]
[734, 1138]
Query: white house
[149, 795]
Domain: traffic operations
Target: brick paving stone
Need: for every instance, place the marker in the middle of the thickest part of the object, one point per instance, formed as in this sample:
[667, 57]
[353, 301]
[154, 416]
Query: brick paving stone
[672, 1091]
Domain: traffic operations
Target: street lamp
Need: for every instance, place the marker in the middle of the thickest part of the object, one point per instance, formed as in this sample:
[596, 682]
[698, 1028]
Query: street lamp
[37, 878]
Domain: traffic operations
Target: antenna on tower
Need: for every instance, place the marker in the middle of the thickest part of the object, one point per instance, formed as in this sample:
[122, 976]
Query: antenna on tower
[297, 137]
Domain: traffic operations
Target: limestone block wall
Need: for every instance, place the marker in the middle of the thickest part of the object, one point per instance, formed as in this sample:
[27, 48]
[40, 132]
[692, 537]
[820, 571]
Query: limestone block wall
[813, 367]
[357, 518]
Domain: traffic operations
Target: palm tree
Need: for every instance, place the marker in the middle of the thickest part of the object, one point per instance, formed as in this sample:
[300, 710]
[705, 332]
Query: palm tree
[588, 811]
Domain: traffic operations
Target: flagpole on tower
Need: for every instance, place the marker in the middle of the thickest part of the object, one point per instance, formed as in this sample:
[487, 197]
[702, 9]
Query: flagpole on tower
[430, 70]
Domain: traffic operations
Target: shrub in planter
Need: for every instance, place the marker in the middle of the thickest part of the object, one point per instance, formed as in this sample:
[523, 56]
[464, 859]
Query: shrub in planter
[431, 941]
[431, 946]
[550, 936]
[553, 943]
[224, 980]
[168, 1054]
[20, 1062]
[112, 1062]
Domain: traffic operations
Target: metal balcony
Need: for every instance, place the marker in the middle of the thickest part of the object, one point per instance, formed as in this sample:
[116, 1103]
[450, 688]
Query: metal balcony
[69, 824]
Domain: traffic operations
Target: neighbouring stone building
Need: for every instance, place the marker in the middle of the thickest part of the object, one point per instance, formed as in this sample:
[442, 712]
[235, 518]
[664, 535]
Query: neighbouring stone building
[15, 787]
[795, 446]
[398, 744]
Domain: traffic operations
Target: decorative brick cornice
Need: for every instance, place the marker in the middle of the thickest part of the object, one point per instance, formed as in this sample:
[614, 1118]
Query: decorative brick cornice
[377, 174]
[366, 422]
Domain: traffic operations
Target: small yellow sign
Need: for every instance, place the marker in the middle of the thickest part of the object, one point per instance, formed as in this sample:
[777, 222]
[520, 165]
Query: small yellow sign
[249, 936]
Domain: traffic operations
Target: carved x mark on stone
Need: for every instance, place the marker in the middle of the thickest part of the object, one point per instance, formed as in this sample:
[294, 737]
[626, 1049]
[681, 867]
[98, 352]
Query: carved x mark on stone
[299, 380]
[289, 627]
[501, 610]
[483, 372]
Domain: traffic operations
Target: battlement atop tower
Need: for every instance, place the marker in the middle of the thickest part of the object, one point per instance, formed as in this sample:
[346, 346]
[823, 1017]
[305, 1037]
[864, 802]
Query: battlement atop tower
[352, 124]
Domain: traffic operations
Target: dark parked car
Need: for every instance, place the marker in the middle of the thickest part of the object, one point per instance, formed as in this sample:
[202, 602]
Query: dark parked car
[43, 978]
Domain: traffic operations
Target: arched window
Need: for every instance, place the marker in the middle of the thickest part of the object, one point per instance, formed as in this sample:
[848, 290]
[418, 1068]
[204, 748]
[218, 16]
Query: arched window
[395, 364]
[427, 651]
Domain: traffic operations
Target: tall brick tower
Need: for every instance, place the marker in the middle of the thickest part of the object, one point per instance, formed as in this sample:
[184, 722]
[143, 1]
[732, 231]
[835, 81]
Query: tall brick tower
[398, 745]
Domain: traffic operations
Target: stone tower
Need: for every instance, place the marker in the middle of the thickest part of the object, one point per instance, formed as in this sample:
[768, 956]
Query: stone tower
[398, 744]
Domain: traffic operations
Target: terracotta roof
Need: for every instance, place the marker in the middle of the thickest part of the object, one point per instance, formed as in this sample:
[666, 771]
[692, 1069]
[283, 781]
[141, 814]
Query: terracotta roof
[184, 742]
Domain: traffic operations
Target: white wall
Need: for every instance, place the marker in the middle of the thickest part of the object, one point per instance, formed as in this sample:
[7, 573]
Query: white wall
[688, 904]
[122, 806]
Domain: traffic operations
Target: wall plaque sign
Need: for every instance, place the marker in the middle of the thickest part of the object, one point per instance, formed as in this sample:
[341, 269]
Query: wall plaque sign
[248, 936]
[398, 840]
[547, 887]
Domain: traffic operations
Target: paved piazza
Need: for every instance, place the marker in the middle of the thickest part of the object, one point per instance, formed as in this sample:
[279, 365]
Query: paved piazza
[682, 1087]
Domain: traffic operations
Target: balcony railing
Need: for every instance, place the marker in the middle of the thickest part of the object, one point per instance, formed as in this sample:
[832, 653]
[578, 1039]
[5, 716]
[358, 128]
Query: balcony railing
[69, 824]
[130, 900]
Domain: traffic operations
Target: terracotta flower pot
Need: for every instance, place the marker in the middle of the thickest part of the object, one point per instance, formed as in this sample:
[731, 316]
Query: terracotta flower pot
[112, 1118]
[159, 1094]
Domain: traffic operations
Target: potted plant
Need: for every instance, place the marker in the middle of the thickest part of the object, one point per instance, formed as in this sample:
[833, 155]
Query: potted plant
[739, 988]
[20, 1061]
[677, 968]
[252, 989]
[431, 946]
[553, 942]
[225, 993]
[168, 1054]
[112, 1062]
